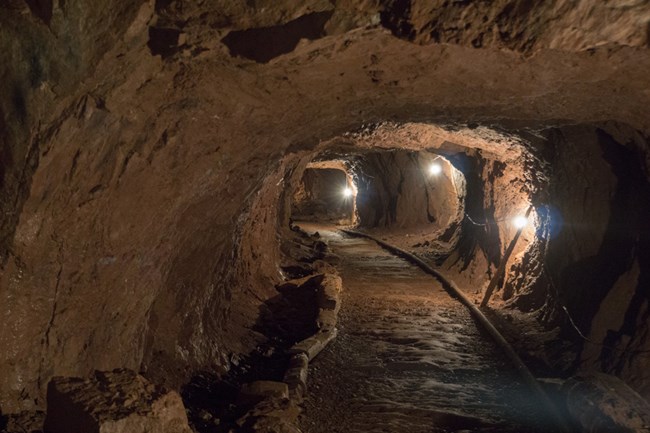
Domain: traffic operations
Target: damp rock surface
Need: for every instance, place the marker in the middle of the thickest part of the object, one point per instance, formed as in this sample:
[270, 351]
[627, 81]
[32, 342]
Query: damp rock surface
[120, 401]
[408, 357]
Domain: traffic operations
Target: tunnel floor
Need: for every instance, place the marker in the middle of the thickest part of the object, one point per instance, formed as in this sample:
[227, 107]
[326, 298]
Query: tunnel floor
[408, 357]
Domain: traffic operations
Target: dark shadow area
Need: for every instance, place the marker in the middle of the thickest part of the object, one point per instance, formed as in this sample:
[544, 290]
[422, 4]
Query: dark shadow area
[478, 228]
[284, 320]
[163, 41]
[42, 9]
[266, 43]
[213, 401]
[6, 159]
[24, 422]
[396, 18]
[161, 5]
[19, 104]
[626, 239]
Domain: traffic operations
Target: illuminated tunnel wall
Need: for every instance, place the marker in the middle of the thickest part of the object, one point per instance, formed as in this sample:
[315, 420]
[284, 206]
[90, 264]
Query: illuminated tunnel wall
[397, 190]
[323, 195]
[580, 260]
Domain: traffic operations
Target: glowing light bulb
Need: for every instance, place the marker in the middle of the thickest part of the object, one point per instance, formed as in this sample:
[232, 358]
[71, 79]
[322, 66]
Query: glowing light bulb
[347, 192]
[435, 169]
[520, 221]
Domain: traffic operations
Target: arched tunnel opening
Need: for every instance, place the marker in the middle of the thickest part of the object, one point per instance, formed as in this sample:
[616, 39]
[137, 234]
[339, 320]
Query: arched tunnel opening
[482, 206]
[459, 204]
[402, 194]
[317, 216]
[325, 194]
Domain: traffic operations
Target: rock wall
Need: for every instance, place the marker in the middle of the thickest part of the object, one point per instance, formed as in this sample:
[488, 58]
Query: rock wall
[115, 401]
[48, 49]
[142, 164]
[396, 190]
[500, 187]
[598, 259]
[521, 25]
[581, 263]
[320, 197]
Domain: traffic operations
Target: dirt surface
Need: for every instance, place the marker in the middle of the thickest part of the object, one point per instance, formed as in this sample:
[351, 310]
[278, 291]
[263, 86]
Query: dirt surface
[408, 357]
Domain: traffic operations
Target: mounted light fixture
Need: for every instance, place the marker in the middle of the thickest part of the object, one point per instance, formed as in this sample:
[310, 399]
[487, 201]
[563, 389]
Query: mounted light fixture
[347, 192]
[435, 169]
[520, 221]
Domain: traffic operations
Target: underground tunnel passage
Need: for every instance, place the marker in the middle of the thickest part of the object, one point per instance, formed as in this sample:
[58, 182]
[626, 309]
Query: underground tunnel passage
[325, 194]
[307, 216]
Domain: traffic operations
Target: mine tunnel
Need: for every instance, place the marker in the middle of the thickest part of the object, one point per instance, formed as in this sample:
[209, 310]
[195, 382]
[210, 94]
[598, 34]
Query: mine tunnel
[325, 194]
[321, 216]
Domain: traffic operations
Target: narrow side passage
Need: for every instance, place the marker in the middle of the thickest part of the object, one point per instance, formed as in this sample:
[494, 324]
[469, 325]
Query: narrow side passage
[408, 357]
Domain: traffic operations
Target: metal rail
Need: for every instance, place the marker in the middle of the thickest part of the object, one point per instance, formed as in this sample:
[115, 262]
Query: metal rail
[510, 353]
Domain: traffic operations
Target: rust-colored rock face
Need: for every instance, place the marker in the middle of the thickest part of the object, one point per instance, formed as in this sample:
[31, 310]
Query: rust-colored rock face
[399, 190]
[148, 157]
[324, 195]
[520, 25]
[118, 401]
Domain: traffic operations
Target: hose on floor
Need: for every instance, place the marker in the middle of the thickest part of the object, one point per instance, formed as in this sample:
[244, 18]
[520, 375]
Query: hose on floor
[498, 338]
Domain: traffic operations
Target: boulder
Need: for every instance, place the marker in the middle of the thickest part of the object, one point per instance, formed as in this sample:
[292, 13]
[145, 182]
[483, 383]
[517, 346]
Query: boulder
[326, 319]
[120, 401]
[296, 376]
[312, 346]
[603, 403]
[329, 292]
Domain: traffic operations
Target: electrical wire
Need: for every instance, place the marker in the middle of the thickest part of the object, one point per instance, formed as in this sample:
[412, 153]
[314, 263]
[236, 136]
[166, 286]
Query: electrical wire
[486, 223]
[474, 222]
[564, 308]
[485, 323]
[577, 329]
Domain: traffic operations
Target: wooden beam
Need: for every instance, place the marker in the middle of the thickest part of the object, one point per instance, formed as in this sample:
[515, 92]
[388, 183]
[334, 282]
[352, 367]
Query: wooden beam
[502, 266]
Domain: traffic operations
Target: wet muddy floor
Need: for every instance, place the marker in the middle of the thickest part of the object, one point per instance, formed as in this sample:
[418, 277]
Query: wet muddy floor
[408, 357]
